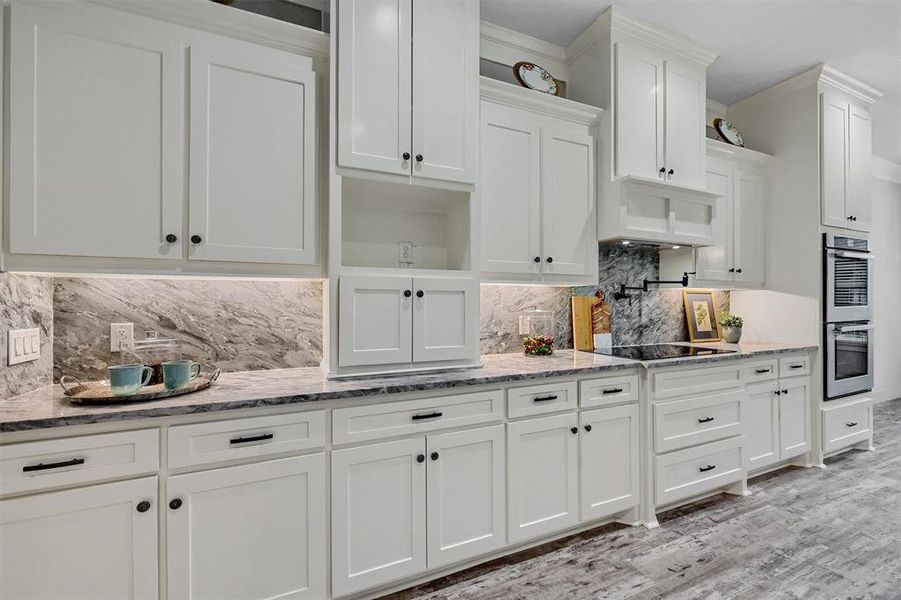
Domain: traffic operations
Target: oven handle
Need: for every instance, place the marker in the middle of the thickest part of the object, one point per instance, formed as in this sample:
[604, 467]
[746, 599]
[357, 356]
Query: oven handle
[853, 328]
[860, 255]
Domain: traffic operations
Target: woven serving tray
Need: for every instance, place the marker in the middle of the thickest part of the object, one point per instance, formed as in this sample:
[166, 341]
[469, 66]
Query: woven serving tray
[98, 392]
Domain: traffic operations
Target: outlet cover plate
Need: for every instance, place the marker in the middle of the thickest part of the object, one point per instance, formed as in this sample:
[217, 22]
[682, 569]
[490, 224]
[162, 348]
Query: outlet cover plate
[121, 336]
[24, 345]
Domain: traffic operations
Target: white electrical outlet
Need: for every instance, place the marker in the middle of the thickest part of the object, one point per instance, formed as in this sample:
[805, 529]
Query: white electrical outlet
[405, 253]
[24, 345]
[121, 336]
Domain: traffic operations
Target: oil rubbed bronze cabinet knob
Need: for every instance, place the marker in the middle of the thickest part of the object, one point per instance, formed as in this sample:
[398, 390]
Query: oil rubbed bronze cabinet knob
[419, 158]
[171, 238]
[196, 239]
[434, 456]
[406, 156]
[175, 503]
[420, 458]
[143, 506]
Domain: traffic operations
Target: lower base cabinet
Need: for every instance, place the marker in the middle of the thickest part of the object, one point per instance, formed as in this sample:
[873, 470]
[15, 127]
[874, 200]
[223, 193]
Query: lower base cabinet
[794, 417]
[777, 421]
[92, 542]
[610, 455]
[275, 510]
[399, 508]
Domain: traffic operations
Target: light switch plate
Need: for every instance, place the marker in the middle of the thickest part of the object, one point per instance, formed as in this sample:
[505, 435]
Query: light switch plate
[24, 345]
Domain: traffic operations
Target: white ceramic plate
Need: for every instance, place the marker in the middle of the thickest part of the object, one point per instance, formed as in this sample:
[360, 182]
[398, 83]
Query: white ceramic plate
[536, 78]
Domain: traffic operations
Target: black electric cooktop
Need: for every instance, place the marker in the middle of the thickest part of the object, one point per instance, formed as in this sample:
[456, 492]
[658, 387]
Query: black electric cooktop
[659, 351]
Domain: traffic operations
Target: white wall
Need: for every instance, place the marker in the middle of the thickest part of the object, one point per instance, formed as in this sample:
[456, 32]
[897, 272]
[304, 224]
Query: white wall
[886, 238]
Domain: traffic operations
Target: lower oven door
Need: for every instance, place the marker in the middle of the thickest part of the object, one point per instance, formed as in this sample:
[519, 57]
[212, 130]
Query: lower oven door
[849, 359]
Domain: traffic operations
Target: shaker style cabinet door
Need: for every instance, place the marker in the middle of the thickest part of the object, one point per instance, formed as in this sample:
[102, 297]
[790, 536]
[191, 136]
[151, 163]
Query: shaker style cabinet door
[253, 154]
[510, 192]
[794, 417]
[96, 133]
[610, 460]
[445, 319]
[760, 415]
[378, 514]
[445, 89]
[375, 320]
[686, 114]
[91, 542]
[713, 262]
[251, 531]
[860, 178]
[748, 226]
[834, 159]
[465, 494]
[374, 85]
[639, 112]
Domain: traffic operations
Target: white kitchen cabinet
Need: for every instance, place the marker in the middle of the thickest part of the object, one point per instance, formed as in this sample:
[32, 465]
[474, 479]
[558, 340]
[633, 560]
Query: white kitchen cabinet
[253, 154]
[794, 417]
[685, 122]
[610, 460]
[465, 494]
[748, 236]
[96, 133]
[542, 476]
[761, 420]
[389, 320]
[378, 514]
[537, 187]
[92, 542]
[408, 87]
[251, 531]
[846, 154]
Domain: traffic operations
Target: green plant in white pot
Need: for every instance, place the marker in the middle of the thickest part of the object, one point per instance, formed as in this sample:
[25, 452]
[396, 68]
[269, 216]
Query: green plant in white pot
[731, 325]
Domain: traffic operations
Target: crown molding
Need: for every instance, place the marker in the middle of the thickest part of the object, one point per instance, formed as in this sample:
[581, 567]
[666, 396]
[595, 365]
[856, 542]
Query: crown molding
[515, 96]
[806, 79]
[886, 170]
[505, 46]
[849, 85]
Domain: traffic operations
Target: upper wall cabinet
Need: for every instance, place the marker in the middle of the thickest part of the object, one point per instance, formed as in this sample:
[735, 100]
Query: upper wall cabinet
[846, 133]
[408, 87]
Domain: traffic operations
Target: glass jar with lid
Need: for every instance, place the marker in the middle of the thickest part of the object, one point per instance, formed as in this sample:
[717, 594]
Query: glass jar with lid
[537, 330]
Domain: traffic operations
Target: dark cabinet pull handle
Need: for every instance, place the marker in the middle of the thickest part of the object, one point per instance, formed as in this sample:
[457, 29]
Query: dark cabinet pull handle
[588, 427]
[707, 468]
[419, 158]
[420, 458]
[406, 156]
[254, 438]
[57, 465]
[851, 424]
[196, 239]
[705, 420]
[143, 506]
[575, 430]
[612, 391]
[738, 270]
[175, 503]
[796, 367]
[408, 293]
[785, 392]
[544, 398]
[761, 371]
[171, 238]
[420, 293]
[433, 415]
[537, 259]
[549, 259]
[434, 456]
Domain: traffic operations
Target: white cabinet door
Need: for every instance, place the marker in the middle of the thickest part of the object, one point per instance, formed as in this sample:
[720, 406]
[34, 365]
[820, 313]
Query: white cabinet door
[91, 542]
[542, 476]
[639, 112]
[794, 417]
[510, 193]
[446, 89]
[252, 531]
[859, 203]
[748, 226]
[834, 159]
[686, 113]
[445, 319]
[96, 133]
[610, 460]
[567, 202]
[375, 321]
[374, 84]
[465, 494]
[713, 262]
[378, 514]
[253, 154]
[760, 416]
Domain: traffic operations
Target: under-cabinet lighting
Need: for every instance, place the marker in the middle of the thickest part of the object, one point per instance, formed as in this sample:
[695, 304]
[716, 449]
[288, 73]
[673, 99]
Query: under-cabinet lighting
[626, 242]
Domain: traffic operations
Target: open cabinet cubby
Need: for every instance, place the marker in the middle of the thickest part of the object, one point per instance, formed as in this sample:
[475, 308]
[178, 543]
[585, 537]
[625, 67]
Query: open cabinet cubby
[377, 216]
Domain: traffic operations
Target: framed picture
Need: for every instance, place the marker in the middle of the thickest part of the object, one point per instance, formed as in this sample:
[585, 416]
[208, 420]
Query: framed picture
[700, 311]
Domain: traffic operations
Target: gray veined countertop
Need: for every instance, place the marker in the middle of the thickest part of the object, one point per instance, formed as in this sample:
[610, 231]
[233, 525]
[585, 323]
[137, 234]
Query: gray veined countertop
[48, 408]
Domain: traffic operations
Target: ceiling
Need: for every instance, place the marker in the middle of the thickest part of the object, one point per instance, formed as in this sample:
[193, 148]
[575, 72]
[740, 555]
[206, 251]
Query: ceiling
[760, 42]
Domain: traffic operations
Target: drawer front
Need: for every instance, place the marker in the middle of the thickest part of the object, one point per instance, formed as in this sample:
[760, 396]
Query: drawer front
[794, 366]
[48, 464]
[206, 443]
[764, 370]
[846, 425]
[693, 381]
[696, 471]
[377, 421]
[683, 423]
[608, 390]
[541, 399]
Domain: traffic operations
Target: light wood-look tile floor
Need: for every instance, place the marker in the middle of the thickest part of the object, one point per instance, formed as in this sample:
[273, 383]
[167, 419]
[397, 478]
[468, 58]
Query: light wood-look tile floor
[804, 533]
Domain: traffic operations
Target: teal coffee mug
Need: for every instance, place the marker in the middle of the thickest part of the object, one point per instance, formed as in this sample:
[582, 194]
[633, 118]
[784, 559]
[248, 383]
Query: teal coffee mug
[179, 373]
[125, 380]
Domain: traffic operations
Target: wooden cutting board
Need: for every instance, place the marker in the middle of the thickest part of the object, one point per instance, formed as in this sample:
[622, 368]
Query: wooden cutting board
[591, 315]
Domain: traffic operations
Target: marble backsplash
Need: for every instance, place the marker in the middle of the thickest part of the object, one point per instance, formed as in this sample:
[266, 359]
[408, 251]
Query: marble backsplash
[26, 301]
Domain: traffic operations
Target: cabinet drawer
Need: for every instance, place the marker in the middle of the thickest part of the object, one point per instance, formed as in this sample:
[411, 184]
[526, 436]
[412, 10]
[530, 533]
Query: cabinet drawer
[846, 425]
[608, 390]
[541, 399]
[377, 421]
[794, 366]
[54, 463]
[763, 370]
[695, 471]
[692, 381]
[205, 443]
[683, 423]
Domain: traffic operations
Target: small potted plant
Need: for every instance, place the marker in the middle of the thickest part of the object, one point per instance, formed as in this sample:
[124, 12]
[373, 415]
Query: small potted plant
[731, 327]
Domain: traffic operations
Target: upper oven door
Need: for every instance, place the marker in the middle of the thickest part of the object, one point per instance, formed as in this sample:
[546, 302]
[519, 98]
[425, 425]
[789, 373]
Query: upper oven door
[849, 359]
[849, 285]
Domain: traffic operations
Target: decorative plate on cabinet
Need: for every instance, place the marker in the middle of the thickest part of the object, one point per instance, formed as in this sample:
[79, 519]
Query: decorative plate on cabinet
[728, 132]
[536, 78]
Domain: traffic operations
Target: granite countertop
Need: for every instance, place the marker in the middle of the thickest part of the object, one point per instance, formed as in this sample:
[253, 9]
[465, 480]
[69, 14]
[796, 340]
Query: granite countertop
[47, 407]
